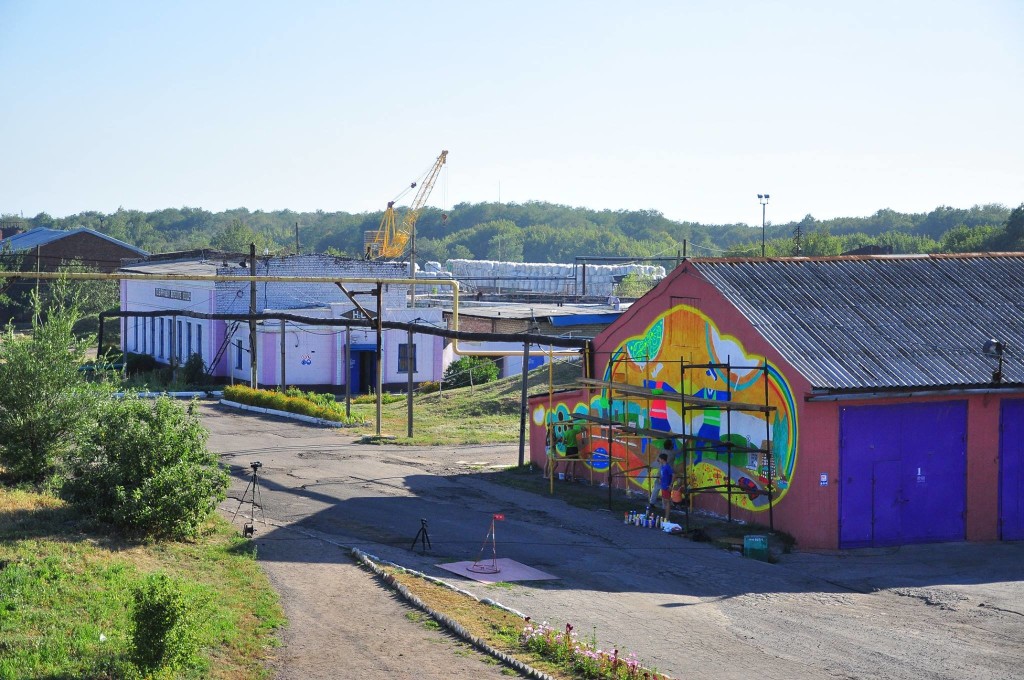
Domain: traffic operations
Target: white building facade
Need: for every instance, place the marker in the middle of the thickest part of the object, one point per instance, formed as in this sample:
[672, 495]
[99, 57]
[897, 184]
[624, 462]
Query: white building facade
[287, 352]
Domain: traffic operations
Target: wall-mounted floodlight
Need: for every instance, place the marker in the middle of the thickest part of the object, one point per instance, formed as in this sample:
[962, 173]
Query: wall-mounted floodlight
[994, 348]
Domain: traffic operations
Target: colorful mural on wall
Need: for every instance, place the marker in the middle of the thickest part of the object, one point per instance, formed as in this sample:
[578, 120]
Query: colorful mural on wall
[683, 353]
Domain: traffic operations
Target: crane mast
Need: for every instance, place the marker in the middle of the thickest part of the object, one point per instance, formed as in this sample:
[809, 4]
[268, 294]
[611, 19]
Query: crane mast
[390, 240]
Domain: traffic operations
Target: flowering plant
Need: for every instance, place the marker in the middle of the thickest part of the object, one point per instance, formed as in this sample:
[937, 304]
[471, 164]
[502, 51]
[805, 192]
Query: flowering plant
[582, 657]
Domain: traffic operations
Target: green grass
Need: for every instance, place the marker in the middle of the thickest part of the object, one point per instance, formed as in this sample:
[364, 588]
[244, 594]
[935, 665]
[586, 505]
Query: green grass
[66, 594]
[484, 414]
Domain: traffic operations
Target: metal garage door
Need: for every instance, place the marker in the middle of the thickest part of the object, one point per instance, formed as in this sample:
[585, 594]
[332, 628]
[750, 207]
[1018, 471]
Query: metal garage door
[902, 474]
[1011, 470]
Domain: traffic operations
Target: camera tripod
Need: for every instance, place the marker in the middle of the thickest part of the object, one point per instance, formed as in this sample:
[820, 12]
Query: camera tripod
[248, 529]
[423, 537]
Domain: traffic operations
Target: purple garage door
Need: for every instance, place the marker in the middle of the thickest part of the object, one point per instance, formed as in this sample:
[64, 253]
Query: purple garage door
[902, 474]
[1011, 470]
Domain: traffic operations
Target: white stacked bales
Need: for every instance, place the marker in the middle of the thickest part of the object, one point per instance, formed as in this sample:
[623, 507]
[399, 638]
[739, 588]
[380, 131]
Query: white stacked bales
[549, 278]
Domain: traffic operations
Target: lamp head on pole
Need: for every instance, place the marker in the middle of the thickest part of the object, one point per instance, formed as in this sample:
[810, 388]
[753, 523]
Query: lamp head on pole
[994, 348]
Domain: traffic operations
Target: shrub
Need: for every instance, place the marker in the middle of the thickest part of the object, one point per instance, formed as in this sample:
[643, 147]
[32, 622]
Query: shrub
[46, 402]
[429, 386]
[470, 370]
[138, 363]
[164, 624]
[146, 468]
[194, 371]
[291, 400]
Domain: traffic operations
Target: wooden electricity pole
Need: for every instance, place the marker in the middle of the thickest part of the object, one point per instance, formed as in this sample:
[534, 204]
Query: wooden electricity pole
[252, 316]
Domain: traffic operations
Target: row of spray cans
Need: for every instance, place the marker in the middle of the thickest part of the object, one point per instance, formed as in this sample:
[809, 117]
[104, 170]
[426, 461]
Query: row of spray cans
[640, 519]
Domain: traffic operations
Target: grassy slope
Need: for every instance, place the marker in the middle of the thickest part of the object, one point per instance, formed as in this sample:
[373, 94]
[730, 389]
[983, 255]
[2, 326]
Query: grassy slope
[64, 582]
[468, 415]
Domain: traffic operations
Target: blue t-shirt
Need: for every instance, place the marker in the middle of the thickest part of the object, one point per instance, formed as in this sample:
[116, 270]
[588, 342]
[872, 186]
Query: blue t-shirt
[666, 476]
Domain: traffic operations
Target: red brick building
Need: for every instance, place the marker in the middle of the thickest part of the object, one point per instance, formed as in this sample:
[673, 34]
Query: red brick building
[45, 250]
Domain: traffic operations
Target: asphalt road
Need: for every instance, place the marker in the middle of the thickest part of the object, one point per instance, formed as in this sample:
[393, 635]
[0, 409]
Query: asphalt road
[685, 608]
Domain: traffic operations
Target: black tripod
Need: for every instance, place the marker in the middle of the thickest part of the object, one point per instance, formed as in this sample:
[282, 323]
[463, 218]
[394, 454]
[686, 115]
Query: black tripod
[423, 537]
[254, 483]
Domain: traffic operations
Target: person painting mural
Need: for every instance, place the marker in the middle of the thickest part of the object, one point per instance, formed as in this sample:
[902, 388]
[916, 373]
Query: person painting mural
[665, 483]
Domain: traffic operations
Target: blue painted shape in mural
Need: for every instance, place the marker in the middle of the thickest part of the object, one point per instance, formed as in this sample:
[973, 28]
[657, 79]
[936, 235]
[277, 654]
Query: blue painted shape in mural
[711, 425]
[599, 459]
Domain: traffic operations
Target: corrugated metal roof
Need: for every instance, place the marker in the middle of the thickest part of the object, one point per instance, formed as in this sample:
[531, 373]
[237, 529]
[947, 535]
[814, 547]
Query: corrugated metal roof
[580, 313]
[884, 322]
[40, 236]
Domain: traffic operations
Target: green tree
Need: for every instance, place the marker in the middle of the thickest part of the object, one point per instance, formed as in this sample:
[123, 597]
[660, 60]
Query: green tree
[470, 370]
[821, 242]
[635, 285]
[145, 467]
[46, 403]
[237, 236]
[1015, 229]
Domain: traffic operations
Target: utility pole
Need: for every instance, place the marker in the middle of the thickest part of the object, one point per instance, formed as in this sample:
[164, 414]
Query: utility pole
[348, 372]
[380, 350]
[283, 377]
[252, 313]
[410, 361]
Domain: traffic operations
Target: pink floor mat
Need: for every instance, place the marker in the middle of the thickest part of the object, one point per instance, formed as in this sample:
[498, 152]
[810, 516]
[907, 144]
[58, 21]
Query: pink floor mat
[495, 570]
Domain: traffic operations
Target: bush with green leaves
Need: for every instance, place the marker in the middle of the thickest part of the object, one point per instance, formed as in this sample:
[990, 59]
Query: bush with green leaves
[470, 370]
[145, 468]
[292, 400]
[194, 370]
[47, 402]
[139, 363]
[164, 624]
[429, 386]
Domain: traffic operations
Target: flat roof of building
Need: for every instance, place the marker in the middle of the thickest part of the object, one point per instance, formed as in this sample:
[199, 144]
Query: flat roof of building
[529, 310]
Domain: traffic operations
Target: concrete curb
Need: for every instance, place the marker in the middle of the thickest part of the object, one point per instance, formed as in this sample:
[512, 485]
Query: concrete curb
[282, 414]
[451, 624]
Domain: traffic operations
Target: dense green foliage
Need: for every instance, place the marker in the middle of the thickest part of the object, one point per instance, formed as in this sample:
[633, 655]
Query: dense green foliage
[46, 403]
[469, 370]
[164, 623]
[145, 467]
[293, 400]
[546, 232]
[194, 370]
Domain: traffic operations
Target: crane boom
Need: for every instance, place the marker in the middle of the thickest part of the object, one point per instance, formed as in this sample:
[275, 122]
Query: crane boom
[389, 240]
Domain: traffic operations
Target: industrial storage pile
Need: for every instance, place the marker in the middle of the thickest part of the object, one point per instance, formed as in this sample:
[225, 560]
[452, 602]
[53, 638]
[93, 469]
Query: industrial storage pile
[541, 277]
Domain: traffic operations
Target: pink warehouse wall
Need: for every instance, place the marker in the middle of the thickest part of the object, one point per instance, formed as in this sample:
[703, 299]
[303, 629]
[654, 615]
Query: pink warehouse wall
[810, 509]
[983, 468]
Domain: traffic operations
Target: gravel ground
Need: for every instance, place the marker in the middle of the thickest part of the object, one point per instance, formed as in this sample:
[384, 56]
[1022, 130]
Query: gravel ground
[939, 611]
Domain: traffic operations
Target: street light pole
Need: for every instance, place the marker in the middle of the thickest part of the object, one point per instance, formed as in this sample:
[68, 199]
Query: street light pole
[763, 200]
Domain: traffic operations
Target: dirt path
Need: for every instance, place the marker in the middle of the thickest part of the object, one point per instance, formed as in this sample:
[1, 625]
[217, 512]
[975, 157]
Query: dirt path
[344, 624]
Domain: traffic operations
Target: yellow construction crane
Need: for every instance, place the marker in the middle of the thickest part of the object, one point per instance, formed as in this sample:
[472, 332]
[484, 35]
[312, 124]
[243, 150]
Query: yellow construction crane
[389, 240]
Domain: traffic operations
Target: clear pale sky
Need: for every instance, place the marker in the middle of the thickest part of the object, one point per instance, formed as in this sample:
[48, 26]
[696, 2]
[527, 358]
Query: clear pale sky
[690, 108]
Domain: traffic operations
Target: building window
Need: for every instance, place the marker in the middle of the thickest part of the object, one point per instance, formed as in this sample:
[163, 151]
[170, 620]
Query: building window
[199, 340]
[178, 349]
[238, 354]
[152, 335]
[161, 347]
[406, 357]
[135, 334]
[188, 341]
